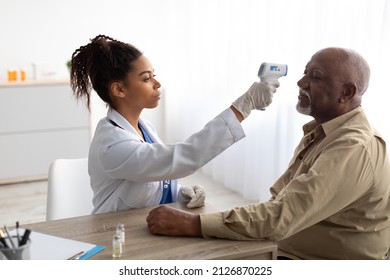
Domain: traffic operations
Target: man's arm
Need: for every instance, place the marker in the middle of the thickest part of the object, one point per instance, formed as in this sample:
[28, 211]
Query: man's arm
[165, 220]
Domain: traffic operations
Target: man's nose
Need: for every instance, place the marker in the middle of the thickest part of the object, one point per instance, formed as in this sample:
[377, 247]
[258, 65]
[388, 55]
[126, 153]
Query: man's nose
[303, 83]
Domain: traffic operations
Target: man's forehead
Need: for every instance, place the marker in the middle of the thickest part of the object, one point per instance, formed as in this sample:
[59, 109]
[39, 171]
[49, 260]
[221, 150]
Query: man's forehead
[323, 59]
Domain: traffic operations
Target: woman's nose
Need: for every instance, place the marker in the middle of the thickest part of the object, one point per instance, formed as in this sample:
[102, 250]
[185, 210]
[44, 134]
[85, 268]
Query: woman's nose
[156, 84]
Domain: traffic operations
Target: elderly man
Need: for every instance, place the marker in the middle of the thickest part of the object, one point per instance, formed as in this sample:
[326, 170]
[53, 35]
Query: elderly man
[333, 201]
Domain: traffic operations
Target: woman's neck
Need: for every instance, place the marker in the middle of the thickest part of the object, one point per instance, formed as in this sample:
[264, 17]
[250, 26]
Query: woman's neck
[132, 116]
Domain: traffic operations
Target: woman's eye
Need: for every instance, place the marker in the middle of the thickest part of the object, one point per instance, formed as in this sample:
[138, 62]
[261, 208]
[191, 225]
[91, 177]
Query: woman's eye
[147, 79]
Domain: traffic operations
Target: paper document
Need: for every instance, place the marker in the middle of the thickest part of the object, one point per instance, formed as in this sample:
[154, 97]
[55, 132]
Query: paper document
[50, 247]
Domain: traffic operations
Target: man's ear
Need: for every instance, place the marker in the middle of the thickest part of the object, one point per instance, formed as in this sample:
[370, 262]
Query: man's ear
[117, 89]
[349, 92]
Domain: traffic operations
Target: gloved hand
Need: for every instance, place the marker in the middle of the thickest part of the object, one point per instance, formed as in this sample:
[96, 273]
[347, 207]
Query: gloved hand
[194, 196]
[258, 96]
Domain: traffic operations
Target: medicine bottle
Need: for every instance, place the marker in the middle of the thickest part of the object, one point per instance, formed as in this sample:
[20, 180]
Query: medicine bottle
[12, 75]
[116, 246]
[120, 229]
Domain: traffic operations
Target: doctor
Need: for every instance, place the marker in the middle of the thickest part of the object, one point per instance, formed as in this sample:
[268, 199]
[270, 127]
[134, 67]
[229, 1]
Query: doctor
[129, 166]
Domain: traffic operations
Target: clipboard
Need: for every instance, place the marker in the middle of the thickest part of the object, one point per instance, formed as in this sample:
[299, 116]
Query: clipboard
[50, 247]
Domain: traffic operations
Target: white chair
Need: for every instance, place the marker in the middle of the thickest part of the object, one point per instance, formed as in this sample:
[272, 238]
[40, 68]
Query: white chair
[69, 191]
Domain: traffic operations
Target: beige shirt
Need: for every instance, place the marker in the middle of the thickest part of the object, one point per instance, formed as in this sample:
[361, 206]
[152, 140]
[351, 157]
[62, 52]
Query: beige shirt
[333, 201]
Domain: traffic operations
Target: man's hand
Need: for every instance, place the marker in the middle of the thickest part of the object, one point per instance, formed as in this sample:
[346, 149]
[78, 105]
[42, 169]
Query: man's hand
[165, 220]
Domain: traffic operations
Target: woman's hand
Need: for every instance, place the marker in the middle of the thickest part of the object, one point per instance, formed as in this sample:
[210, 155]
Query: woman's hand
[193, 196]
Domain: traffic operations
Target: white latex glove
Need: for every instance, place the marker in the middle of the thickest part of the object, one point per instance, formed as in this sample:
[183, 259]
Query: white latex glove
[258, 96]
[194, 196]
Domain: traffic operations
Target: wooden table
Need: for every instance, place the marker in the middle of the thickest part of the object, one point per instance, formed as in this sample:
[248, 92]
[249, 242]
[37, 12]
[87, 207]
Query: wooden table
[140, 244]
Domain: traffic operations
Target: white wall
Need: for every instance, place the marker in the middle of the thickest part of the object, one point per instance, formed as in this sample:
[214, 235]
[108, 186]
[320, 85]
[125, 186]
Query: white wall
[47, 32]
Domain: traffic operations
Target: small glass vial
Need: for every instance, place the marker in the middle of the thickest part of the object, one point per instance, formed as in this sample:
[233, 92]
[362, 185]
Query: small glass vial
[22, 74]
[120, 229]
[116, 246]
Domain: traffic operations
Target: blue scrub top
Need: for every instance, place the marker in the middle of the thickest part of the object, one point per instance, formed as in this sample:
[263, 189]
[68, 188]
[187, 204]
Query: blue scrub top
[167, 193]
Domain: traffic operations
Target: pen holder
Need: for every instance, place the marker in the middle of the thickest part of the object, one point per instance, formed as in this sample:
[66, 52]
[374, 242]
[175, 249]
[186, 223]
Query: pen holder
[17, 253]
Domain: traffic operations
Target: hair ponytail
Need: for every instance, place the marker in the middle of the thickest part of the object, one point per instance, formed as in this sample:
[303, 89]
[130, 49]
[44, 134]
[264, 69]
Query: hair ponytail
[99, 63]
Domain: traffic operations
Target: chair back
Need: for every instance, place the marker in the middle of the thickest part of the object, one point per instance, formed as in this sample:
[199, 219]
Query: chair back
[69, 191]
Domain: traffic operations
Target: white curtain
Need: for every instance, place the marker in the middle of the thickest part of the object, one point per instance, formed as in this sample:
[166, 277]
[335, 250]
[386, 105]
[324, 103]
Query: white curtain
[216, 50]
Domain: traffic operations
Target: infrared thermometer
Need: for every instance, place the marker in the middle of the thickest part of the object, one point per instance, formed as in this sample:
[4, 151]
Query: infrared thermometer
[271, 71]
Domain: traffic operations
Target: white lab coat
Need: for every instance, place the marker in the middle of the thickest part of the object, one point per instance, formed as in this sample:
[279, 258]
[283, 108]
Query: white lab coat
[126, 172]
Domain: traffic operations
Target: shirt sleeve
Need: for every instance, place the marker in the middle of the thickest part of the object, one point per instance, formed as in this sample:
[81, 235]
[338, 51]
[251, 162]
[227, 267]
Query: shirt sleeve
[339, 176]
[126, 158]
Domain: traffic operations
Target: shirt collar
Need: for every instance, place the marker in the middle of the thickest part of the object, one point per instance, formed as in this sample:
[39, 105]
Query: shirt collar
[333, 124]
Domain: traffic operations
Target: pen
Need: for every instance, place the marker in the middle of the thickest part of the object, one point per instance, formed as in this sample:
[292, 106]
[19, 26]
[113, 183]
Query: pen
[25, 237]
[2, 239]
[77, 256]
[9, 236]
[17, 232]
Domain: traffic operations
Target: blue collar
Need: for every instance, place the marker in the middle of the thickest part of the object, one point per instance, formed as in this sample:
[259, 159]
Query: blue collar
[147, 138]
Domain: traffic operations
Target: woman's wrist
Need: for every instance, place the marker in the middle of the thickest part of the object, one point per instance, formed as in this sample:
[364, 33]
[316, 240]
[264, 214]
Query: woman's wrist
[239, 116]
